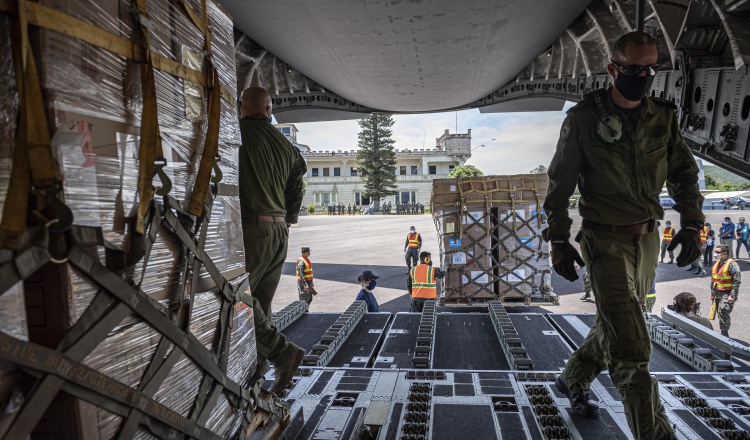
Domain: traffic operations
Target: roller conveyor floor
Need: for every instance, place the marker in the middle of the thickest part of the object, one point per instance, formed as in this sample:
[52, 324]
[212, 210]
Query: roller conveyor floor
[468, 389]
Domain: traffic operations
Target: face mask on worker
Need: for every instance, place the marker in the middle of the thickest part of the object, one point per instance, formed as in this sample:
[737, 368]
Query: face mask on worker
[633, 88]
[411, 231]
[371, 285]
[669, 225]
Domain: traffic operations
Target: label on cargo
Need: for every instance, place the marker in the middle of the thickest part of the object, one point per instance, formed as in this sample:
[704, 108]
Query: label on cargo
[454, 242]
[453, 188]
[475, 216]
[477, 276]
[520, 215]
[458, 258]
[450, 227]
[516, 276]
[527, 242]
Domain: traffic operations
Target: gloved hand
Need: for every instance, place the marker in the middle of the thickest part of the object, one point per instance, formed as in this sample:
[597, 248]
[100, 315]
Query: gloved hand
[690, 241]
[563, 256]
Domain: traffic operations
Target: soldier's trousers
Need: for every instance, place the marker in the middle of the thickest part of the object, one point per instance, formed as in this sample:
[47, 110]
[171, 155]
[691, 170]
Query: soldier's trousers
[304, 296]
[265, 252]
[622, 270]
[724, 310]
[412, 257]
[664, 246]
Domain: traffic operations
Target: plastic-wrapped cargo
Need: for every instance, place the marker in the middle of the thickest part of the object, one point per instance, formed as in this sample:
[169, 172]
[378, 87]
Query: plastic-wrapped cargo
[94, 100]
[490, 237]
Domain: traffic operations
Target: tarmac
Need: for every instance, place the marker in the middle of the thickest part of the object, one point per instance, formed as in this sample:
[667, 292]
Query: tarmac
[342, 247]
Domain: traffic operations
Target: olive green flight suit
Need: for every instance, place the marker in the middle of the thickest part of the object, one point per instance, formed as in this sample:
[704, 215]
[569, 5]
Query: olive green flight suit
[270, 174]
[620, 174]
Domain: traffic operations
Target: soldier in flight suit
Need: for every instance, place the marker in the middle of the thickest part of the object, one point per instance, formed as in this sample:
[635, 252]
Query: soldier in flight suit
[726, 277]
[270, 171]
[619, 146]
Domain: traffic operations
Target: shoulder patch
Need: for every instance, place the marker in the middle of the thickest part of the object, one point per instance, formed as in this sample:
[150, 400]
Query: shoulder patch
[565, 129]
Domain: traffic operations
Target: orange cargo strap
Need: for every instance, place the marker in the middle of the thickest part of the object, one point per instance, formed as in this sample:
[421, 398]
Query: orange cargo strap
[34, 167]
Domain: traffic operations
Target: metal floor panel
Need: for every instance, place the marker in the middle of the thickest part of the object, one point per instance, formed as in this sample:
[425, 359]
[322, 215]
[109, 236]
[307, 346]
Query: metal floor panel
[572, 325]
[361, 343]
[452, 422]
[467, 342]
[546, 348]
[307, 330]
[398, 347]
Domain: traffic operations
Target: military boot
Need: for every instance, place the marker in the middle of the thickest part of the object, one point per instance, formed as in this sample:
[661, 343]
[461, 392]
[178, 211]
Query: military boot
[580, 402]
[725, 333]
[285, 365]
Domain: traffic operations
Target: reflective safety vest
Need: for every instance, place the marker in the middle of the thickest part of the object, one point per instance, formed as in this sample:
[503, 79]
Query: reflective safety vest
[308, 272]
[423, 282]
[704, 234]
[668, 233]
[722, 279]
[413, 240]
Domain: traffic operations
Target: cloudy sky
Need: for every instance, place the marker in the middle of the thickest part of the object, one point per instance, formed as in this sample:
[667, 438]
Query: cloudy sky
[522, 142]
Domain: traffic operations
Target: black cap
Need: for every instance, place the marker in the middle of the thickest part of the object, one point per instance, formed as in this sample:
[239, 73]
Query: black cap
[367, 276]
[423, 255]
[305, 249]
[412, 227]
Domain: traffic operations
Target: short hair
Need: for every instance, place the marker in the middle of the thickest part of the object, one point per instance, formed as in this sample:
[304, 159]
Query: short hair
[686, 301]
[722, 248]
[635, 38]
[423, 255]
[255, 97]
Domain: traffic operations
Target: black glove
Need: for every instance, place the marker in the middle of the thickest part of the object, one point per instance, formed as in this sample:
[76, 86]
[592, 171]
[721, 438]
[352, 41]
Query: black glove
[690, 243]
[563, 256]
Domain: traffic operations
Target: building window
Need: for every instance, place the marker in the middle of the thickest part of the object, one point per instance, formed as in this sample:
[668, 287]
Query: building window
[337, 171]
[413, 170]
[360, 199]
[402, 170]
[322, 199]
[433, 169]
[314, 172]
[406, 197]
[326, 172]
[286, 130]
[450, 168]
[352, 171]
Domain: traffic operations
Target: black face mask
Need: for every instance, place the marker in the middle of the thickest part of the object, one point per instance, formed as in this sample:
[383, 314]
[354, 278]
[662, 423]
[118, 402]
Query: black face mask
[633, 88]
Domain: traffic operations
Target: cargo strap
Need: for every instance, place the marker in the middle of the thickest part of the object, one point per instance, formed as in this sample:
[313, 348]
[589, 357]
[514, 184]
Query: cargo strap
[32, 255]
[98, 388]
[34, 168]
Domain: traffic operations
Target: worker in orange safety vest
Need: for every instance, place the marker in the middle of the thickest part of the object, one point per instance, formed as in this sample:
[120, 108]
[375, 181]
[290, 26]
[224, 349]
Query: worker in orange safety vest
[423, 282]
[725, 286]
[305, 286]
[666, 239]
[412, 245]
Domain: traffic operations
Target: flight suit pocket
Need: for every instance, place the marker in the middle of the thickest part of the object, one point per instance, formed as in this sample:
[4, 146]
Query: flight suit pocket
[255, 231]
[655, 165]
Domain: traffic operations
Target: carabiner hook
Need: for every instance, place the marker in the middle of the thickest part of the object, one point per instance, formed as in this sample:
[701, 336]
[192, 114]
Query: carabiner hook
[166, 183]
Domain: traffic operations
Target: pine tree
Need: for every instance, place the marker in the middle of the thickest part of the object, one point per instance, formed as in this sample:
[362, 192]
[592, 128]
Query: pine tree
[377, 157]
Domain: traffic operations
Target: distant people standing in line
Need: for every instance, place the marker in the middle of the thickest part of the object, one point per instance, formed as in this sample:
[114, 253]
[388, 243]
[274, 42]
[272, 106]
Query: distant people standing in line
[412, 245]
[368, 283]
[708, 252]
[726, 233]
[742, 231]
[686, 305]
[650, 298]
[666, 239]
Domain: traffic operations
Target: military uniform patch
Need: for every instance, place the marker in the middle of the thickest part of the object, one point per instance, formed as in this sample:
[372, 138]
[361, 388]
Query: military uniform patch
[609, 128]
[565, 130]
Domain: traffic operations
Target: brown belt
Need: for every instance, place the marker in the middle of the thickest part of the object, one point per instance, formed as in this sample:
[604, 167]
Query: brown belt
[636, 229]
[263, 219]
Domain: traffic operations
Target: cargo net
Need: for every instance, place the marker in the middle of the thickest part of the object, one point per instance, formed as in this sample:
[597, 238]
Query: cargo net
[490, 239]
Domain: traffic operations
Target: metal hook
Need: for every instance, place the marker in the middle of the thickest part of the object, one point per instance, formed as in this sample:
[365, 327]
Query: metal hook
[166, 183]
[218, 175]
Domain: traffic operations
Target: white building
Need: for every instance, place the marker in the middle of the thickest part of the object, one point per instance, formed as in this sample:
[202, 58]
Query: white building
[290, 132]
[332, 176]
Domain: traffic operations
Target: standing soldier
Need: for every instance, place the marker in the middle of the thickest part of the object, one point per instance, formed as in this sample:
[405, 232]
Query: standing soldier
[606, 149]
[725, 286]
[305, 286]
[666, 239]
[422, 282]
[650, 298]
[586, 286]
[411, 247]
[696, 268]
[349, 209]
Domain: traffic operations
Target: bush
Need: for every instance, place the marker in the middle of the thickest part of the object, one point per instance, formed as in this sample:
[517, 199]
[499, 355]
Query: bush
[311, 209]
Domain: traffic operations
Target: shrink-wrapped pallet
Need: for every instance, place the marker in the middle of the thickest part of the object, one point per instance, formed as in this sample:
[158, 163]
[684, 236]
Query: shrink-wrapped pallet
[94, 102]
[490, 237]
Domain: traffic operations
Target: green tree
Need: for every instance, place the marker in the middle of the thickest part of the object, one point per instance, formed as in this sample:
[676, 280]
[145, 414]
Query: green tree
[728, 186]
[711, 183]
[466, 171]
[377, 156]
[541, 169]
